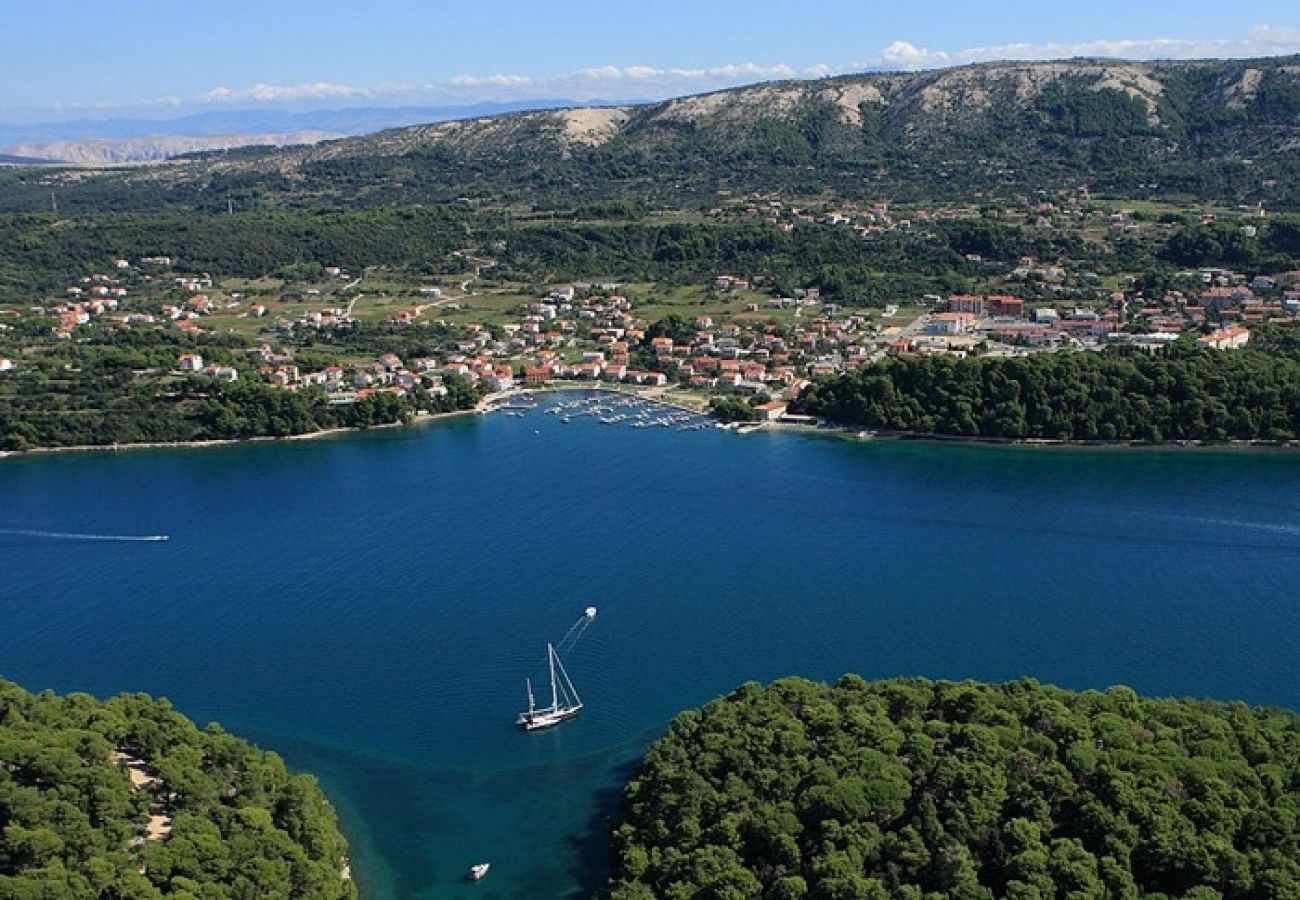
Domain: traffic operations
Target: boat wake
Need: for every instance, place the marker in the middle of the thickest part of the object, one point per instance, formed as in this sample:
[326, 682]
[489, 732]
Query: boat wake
[1272, 527]
[576, 630]
[74, 536]
[565, 702]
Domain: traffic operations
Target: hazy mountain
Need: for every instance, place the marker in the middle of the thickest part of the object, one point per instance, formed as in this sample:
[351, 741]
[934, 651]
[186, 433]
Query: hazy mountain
[11, 159]
[139, 139]
[1217, 130]
[154, 148]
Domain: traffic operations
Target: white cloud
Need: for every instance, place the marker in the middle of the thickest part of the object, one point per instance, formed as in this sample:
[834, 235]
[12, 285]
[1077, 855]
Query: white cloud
[288, 93]
[501, 80]
[902, 55]
[1263, 40]
[615, 82]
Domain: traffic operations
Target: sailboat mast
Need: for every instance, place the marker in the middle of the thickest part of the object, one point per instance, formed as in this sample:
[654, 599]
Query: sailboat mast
[531, 703]
[550, 653]
[570, 691]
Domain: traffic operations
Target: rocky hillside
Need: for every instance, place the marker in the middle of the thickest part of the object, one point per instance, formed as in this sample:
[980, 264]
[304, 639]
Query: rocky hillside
[1215, 130]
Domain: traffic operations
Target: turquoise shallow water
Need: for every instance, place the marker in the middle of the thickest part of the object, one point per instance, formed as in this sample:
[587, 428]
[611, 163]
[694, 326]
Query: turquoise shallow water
[369, 605]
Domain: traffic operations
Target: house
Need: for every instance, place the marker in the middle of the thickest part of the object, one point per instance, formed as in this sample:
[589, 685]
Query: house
[966, 303]
[1229, 338]
[499, 379]
[189, 362]
[1006, 305]
[948, 323]
[535, 376]
[1222, 296]
[6, 364]
[222, 373]
[771, 411]
[284, 376]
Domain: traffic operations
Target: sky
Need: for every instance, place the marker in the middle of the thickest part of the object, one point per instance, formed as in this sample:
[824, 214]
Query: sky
[68, 58]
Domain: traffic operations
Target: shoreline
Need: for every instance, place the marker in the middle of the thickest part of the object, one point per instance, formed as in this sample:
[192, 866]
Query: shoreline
[420, 419]
[848, 432]
[828, 429]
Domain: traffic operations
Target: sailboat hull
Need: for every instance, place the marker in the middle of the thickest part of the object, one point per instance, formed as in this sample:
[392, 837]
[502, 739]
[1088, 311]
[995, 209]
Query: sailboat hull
[546, 718]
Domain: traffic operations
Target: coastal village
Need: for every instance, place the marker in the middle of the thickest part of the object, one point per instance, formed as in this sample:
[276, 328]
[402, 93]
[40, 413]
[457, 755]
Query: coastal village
[740, 336]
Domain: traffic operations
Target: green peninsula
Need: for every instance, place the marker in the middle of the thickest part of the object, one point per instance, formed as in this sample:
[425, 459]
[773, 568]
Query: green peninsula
[126, 798]
[912, 788]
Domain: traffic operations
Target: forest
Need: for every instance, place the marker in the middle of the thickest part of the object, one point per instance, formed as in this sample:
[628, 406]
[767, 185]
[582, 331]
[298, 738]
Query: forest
[100, 400]
[73, 823]
[40, 253]
[1185, 395]
[89, 413]
[911, 788]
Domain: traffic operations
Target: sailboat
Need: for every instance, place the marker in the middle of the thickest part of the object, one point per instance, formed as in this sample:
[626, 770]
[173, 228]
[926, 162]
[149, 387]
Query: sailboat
[565, 702]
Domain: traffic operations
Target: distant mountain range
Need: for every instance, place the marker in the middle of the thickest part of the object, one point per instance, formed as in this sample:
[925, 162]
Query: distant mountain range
[125, 140]
[1222, 131]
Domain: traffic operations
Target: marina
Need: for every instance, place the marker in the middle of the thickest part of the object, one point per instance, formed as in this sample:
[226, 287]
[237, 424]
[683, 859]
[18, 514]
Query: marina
[619, 408]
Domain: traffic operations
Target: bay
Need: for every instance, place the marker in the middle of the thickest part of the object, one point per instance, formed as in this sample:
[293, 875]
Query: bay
[369, 605]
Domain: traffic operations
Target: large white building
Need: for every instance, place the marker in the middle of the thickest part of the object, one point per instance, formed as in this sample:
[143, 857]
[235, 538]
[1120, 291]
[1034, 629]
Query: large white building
[1229, 338]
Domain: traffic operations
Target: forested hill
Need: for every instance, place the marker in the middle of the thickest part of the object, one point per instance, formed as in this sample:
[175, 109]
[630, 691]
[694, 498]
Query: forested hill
[1185, 395]
[1225, 131]
[126, 798]
[916, 789]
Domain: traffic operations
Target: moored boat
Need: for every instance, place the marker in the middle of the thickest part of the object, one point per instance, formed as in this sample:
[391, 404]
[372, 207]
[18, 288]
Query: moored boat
[565, 702]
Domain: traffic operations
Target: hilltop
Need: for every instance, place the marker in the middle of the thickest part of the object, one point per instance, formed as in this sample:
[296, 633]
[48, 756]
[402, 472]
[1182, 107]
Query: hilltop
[912, 788]
[127, 798]
[1223, 131]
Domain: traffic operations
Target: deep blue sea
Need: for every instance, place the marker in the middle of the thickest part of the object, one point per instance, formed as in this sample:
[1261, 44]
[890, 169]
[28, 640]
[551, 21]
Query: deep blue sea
[369, 605]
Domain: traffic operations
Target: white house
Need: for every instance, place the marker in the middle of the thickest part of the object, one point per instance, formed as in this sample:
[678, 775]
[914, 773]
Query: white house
[948, 323]
[1229, 338]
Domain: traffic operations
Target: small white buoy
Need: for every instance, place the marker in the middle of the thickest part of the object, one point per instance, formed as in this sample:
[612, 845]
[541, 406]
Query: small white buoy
[590, 612]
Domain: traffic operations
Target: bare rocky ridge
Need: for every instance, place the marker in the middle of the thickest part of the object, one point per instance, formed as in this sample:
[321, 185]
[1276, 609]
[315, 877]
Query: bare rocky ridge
[928, 102]
[1111, 124]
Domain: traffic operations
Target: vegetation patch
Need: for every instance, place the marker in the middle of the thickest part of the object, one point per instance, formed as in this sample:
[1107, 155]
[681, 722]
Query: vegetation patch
[911, 788]
[1186, 395]
[128, 799]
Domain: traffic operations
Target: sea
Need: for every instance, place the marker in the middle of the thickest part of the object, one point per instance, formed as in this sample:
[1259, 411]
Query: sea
[369, 605]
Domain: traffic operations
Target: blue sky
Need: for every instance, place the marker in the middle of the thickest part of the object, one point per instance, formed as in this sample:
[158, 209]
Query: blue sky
[78, 56]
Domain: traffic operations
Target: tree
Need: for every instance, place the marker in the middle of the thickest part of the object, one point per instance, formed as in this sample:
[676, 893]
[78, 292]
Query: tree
[914, 788]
